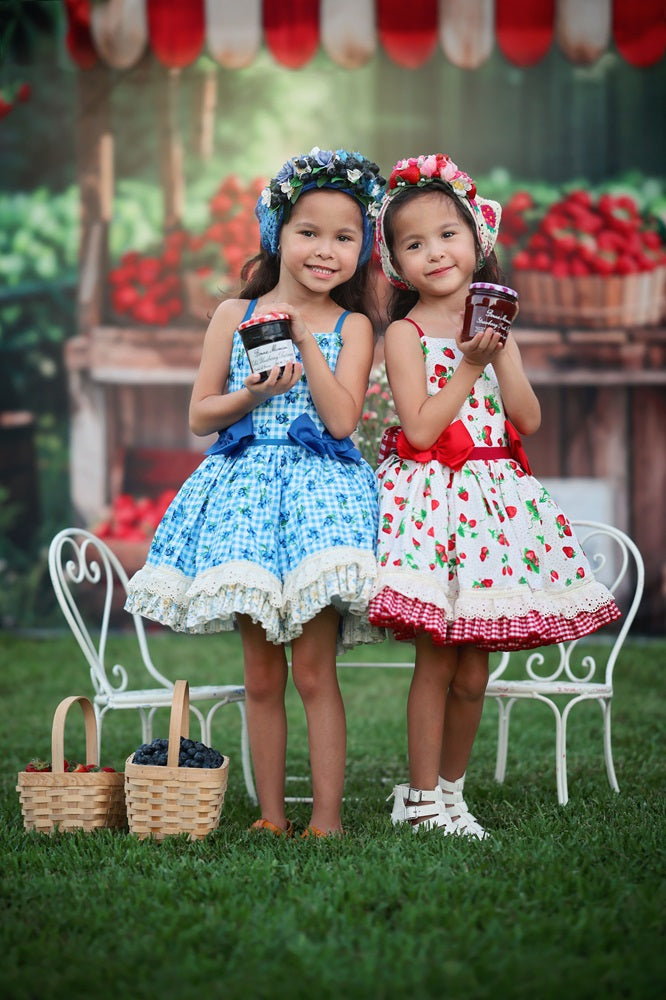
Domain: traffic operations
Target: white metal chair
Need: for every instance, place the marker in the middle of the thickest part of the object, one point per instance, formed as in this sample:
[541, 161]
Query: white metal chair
[77, 557]
[615, 559]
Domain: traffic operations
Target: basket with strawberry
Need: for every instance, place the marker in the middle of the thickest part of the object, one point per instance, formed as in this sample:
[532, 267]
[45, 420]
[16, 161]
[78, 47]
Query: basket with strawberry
[592, 262]
[63, 795]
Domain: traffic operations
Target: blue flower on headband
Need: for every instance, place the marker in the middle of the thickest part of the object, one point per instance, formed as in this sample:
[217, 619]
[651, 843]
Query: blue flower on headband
[337, 169]
[322, 156]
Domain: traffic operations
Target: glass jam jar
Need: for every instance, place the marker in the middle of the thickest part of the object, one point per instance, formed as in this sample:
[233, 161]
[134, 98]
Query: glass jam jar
[489, 305]
[267, 342]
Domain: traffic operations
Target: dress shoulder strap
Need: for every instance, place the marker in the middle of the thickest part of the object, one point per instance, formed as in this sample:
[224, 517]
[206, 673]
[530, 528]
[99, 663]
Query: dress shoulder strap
[249, 310]
[420, 331]
[341, 318]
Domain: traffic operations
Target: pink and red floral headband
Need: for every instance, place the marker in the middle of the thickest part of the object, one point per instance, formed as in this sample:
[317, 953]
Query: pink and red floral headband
[419, 171]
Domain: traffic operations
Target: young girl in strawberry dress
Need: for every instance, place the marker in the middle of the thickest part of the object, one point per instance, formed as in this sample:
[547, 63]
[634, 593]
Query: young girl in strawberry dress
[473, 553]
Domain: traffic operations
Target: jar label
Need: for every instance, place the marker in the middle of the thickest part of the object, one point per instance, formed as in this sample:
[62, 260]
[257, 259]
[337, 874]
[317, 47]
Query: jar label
[277, 352]
[495, 318]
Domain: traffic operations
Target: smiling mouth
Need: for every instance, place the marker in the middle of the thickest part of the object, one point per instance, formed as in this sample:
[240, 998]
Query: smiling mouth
[439, 270]
[318, 269]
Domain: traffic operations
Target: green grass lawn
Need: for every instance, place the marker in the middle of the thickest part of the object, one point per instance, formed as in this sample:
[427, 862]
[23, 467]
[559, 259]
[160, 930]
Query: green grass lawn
[559, 902]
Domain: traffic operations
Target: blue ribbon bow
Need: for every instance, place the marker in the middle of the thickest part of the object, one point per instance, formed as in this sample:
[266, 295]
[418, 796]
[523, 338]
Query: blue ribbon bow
[304, 431]
[234, 438]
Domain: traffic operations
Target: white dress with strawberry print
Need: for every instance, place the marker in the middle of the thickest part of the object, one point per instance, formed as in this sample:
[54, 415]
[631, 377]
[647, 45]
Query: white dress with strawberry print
[482, 555]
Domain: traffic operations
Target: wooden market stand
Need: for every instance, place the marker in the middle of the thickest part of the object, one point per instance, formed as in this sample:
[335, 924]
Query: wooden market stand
[601, 390]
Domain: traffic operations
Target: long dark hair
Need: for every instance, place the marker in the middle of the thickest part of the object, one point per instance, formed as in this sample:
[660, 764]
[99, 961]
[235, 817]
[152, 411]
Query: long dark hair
[260, 275]
[403, 300]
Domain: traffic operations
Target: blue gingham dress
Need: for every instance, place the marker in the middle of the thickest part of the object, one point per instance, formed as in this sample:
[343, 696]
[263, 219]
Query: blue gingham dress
[274, 531]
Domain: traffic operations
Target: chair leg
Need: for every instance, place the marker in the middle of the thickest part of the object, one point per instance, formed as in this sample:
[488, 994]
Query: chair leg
[608, 752]
[504, 711]
[99, 717]
[146, 725]
[561, 757]
[245, 755]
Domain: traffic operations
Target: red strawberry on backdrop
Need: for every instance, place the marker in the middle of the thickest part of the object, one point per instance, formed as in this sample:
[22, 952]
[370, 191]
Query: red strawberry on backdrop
[134, 519]
[583, 235]
[12, 95]
[148, 288]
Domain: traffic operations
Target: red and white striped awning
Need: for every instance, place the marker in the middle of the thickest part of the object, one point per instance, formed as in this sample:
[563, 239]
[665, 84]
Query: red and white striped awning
[118, 32]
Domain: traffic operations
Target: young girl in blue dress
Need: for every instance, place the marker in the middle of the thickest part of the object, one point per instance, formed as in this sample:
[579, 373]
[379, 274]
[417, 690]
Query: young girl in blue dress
[473, 554]
[275, 531]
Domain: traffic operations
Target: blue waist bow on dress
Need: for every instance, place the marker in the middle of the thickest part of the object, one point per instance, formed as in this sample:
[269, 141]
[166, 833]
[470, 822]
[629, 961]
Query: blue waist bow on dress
[302, 431]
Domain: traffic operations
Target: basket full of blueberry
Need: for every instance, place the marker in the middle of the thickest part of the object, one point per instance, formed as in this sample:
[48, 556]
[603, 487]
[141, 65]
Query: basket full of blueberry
[177, 785]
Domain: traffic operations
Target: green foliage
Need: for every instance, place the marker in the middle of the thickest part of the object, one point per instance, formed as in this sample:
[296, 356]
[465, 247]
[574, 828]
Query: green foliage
[26, 595]
[559, 902]
[22, 574]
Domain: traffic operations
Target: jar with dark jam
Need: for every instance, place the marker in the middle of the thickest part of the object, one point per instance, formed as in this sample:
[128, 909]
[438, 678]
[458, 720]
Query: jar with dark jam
[489, 305]
[267, 342]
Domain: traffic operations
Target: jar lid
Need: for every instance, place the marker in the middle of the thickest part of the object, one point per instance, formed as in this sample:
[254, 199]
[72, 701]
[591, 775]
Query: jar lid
[270, 317]
[488, 286]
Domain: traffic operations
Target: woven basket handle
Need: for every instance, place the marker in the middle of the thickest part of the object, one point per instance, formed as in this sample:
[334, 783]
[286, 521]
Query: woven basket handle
[58, 732]
[179, 724]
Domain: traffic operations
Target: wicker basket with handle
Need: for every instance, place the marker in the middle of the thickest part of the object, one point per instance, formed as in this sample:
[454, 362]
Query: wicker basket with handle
[162, 801]
[63, 801]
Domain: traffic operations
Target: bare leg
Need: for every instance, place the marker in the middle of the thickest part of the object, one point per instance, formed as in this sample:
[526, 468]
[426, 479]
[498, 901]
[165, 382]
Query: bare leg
[315, 676]
[434, 668]
[464, 706]
[265, 684]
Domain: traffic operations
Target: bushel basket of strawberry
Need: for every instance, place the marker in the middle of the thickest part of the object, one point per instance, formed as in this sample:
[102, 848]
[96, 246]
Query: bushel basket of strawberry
[177, 785]
[61, 796]
[593, 264]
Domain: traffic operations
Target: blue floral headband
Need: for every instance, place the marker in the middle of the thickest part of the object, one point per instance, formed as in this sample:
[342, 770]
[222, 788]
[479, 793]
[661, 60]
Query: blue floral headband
[337, 169]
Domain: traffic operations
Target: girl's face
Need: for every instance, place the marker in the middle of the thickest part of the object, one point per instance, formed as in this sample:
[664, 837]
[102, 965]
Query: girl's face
[321, 243]
[432, 247]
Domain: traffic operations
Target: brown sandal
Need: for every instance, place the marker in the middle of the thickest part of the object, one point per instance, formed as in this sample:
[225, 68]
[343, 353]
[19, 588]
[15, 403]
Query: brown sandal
[314, 831]
[264, 824]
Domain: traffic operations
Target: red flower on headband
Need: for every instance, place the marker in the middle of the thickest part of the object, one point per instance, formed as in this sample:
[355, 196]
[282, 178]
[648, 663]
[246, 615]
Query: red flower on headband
[411, 174]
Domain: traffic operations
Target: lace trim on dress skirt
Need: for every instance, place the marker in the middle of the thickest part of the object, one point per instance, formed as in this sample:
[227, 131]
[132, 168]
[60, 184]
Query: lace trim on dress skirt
[525, 629]
[588, 595]
[208, 603]
[341, 576]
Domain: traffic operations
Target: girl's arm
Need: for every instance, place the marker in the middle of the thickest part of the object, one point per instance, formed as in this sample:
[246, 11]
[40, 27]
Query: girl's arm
[520, 402]
[424, 417]
[211, 407]
[338, 396]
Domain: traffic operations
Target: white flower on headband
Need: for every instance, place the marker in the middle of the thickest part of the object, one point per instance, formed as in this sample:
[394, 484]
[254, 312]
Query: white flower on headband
[461, 185]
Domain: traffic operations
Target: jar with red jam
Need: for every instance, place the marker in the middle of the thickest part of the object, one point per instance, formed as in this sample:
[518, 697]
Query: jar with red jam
[267, 342]
[489, 305]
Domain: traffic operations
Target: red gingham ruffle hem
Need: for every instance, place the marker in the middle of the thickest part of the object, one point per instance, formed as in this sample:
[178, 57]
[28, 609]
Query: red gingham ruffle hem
[405, 616]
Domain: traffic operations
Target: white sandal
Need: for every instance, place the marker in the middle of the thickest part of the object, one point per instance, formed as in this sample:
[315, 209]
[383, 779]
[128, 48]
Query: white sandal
[456, 808]
[424, 809]
[398, 794]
